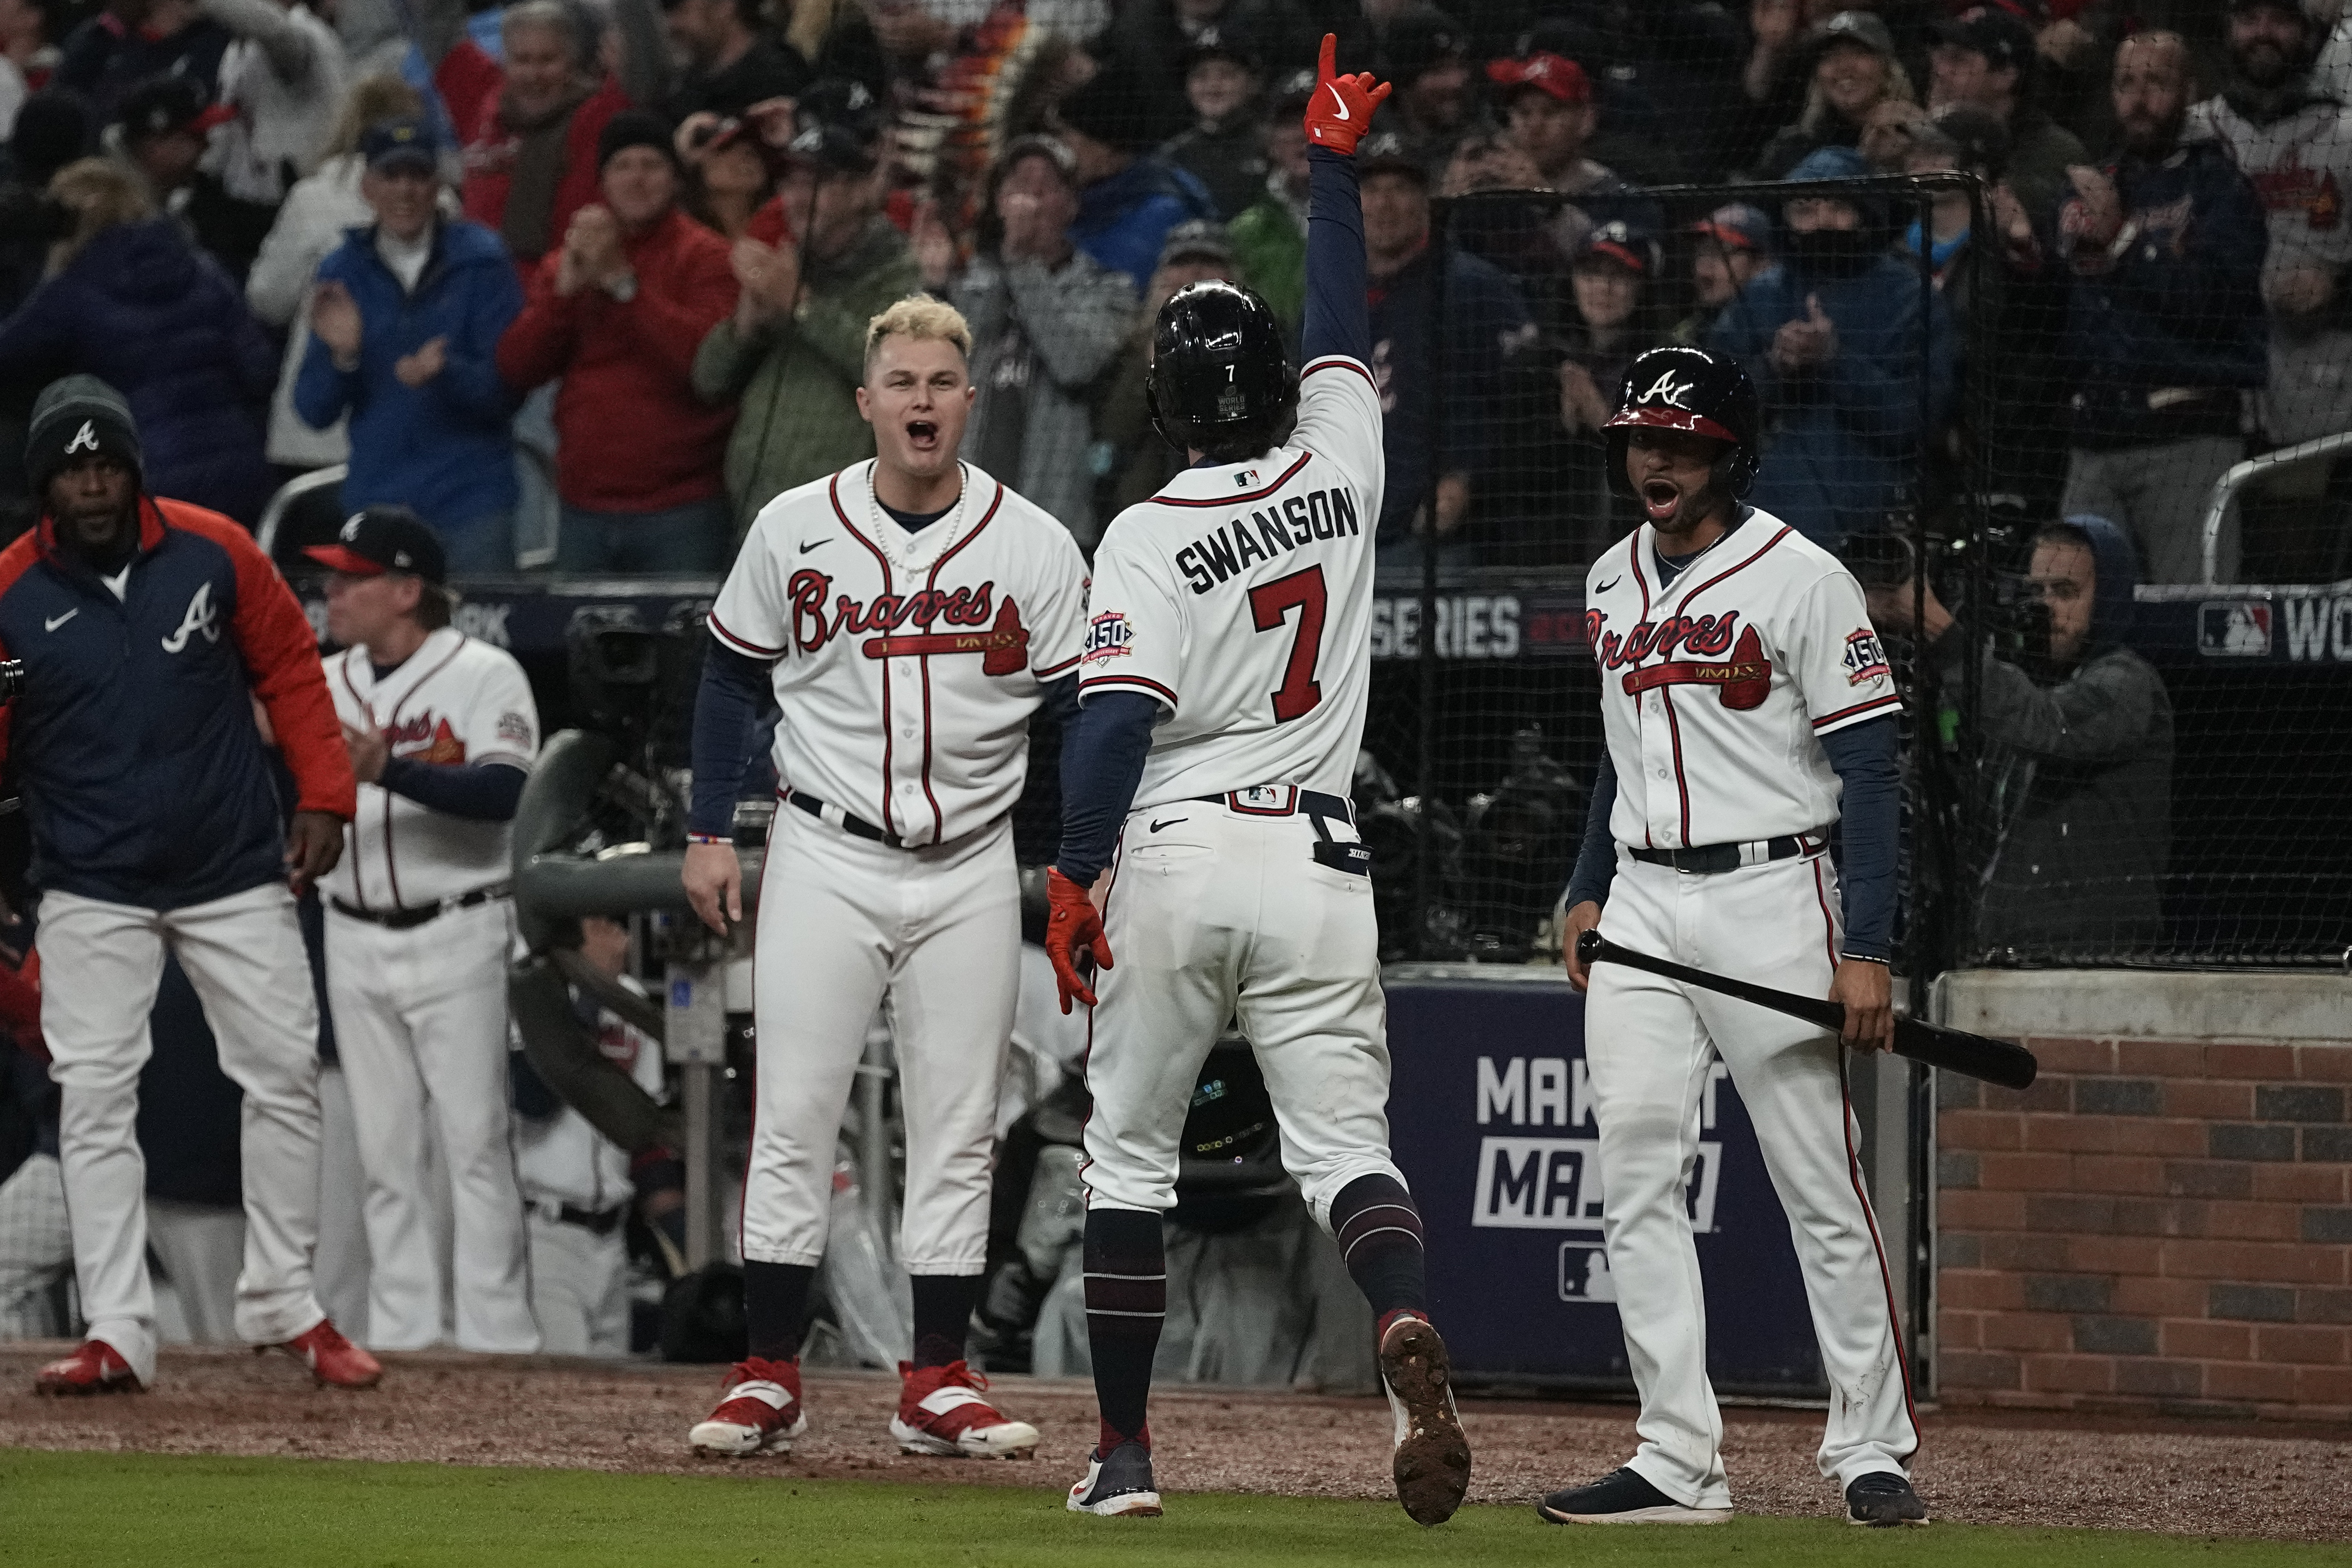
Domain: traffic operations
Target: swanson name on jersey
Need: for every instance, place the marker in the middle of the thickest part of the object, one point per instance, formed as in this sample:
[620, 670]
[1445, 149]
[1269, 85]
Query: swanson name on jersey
[1265, 535]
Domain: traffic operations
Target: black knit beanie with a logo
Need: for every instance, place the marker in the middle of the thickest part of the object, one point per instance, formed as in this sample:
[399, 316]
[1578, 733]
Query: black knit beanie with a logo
[74, 417]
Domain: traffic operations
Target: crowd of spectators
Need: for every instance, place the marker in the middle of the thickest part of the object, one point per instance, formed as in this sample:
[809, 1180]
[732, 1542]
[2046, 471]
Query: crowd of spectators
[584, 282]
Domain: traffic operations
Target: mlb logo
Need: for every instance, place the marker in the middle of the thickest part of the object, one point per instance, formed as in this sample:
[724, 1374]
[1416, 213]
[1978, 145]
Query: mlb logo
[2233, 628]
[1245, 478]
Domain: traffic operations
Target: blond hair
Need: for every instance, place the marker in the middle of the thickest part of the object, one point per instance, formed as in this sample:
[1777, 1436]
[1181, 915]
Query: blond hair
[921, 317]
[371, 101]
[101, 193]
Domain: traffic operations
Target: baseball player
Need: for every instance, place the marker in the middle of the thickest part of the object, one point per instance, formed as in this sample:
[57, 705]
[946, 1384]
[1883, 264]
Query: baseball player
[149, 630]
[909, 614]
[1748, 707]
[442, 731]
[1226, 670]
[577, 1185]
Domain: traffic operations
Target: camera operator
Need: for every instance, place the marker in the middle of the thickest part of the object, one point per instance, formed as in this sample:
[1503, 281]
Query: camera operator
[2082, 738]
[154, 634]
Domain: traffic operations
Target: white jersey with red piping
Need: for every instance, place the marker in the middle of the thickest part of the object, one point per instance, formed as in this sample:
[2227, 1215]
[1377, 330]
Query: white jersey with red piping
[1240, 597]
[454, 700]
[907, 665]
[1715, 688]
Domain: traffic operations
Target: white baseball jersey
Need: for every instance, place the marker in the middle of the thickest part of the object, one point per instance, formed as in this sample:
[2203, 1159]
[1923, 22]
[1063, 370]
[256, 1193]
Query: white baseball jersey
[455, 699]
[563, 1159]
[1715, 689]
[907, 665]
[1241, 597]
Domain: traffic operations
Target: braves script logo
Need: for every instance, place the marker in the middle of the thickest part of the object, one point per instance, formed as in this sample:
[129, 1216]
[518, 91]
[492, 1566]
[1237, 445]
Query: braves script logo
[815, 624]
[1865, 657]
[84, 439]
[425, 739]
[1743, 680]
[202, 616]
[1108, 637]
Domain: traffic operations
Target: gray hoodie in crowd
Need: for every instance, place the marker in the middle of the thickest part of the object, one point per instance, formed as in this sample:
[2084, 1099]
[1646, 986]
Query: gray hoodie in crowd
[2082, 780]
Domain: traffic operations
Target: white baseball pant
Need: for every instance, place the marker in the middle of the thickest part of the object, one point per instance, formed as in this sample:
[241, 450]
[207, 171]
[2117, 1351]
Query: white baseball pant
[199, 1245]
[579, 1288]
[340, 1267]
[1210, 915]
[846, 925]
[100, 964]
[1648, 1045]
[421, 1028]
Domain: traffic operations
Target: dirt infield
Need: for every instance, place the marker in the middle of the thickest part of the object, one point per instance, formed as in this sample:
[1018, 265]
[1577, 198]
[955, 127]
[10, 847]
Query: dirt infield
[1983, 1466]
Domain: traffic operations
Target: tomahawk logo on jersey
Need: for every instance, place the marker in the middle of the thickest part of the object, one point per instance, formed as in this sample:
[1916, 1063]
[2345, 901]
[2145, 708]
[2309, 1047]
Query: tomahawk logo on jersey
[1241, 599]
[1709, 685]
[949, 634]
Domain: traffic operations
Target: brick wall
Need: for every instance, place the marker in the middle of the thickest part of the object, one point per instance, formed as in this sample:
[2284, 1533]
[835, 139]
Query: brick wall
[2153, 1225]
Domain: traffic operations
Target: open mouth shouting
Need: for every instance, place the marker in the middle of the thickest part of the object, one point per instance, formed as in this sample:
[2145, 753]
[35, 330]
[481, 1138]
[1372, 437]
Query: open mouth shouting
[1660, 499]
[923, 436]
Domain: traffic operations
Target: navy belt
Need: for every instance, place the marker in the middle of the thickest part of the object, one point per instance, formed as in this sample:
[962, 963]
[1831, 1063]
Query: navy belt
[1708, 858]
[856, 827]
[410, 919]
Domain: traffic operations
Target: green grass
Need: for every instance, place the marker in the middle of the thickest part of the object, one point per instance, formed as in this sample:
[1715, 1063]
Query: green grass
[63, 1509]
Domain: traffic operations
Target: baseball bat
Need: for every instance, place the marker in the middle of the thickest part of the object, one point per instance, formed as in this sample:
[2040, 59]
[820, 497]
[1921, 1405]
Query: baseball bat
[1995, 1061]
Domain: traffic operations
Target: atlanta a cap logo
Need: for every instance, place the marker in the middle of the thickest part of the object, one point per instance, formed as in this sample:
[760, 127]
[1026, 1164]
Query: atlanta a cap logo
[84, 439]
[351, 527]
[1667, 390]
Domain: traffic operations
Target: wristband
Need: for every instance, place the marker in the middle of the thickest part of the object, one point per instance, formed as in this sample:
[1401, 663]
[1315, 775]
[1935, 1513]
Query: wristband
[726, 838]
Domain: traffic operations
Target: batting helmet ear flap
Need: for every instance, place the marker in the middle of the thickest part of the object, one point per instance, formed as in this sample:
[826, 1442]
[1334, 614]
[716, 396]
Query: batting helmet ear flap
[1151, 406]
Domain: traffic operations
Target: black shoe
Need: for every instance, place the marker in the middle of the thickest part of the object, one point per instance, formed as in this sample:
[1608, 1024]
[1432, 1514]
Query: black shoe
[1120, 1484]
[1621, 1497]
[1884, 1500]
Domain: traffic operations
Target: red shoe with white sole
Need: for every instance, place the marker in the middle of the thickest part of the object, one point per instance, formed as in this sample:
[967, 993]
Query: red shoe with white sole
[941, 1413]
[96, 1368]
[333, 1360]
[758, 1411]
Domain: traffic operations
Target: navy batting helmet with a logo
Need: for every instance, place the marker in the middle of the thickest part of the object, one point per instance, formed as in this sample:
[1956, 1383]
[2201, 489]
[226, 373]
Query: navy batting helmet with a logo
[1220, 370]
[1695, 391]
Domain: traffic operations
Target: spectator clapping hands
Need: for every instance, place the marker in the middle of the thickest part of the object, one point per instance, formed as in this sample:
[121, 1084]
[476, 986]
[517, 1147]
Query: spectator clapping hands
[770, 280]
[1801, 345]
[335, 318]
[592, 251]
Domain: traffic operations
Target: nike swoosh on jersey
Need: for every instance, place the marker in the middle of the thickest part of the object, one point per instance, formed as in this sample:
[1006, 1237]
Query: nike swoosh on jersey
[51, 626]
[1613, 581]
[1170, 823]
[813, 544]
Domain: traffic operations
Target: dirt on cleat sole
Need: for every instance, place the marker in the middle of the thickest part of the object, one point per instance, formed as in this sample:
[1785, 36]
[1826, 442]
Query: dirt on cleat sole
[1433, 1455]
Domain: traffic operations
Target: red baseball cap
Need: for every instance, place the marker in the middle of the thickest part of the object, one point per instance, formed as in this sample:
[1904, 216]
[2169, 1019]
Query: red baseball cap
[1558, 75]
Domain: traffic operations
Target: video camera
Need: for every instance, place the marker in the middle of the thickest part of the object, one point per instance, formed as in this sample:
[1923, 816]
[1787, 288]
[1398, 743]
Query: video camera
[2013, 614]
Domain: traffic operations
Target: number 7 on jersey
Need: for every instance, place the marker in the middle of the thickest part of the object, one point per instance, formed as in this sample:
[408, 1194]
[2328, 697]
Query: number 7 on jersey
[1270, 605]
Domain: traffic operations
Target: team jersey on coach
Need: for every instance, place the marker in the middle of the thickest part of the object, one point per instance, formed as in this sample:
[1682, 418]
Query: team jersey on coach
[455, 699]
[1241, 596]
[907, 665]
[1714, 690]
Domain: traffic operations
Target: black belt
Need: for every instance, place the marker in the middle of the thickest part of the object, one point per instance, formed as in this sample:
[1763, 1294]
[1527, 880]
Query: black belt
[856, 827]
[1262, 802]
[1287, 800]
[1712, 858]
[599, 1222]
[409, 919]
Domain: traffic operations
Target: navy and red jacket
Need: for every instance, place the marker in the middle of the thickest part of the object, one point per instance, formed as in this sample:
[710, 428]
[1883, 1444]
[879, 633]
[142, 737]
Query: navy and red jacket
[144, 776]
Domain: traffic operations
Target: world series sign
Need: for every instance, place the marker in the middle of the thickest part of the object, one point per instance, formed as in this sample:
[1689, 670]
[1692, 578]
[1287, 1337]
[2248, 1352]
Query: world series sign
[1491, 1118]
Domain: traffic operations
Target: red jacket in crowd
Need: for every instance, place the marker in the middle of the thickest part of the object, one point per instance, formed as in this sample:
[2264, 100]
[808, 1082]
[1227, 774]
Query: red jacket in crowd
[632, 435]
[489, 164]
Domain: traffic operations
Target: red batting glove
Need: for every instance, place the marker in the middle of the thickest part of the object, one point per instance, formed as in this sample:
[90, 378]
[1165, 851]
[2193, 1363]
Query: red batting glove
[1341, 109]
[1074, 936]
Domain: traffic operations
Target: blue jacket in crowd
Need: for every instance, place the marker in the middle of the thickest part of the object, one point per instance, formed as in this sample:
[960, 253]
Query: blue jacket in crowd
[442, 447]
[145, 311]
[1124, 218]
[1842, 442]
[2182, 307]
[1444, 396]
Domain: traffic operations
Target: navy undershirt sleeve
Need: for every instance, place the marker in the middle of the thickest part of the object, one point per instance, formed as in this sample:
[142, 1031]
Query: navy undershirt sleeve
[1596, 857]
[1102, 761]
[1870, 827]
[1061, 697]
[478, 791]
[1338, 321]
[726, 713]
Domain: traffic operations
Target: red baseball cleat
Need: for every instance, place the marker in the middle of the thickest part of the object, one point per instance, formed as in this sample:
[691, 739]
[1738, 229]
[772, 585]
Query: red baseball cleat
[96, 1368]
[938, 1413]
[332, 1358]
[759, 1413]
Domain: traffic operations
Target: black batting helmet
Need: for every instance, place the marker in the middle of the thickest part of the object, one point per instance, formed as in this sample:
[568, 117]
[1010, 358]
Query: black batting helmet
[1690, 390]
[1220, 375]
